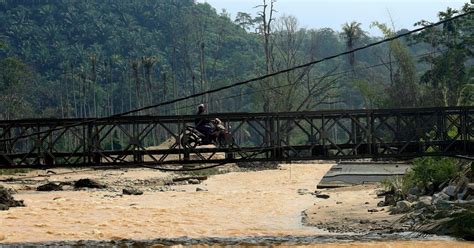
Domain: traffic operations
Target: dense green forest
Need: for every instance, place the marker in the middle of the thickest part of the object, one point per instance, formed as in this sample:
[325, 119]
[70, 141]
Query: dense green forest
[71, 58]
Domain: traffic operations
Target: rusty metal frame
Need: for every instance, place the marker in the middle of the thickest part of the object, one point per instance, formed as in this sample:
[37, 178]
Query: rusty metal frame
[335, 134]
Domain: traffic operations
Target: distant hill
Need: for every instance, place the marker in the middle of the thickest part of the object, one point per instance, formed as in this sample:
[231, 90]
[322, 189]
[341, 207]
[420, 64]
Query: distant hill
[104, 46]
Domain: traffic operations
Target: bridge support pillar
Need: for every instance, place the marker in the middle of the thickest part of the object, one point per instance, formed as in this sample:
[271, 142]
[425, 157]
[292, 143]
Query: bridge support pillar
[229, 155]
[93, 145]
[48, 159]
[3, 152]
[137, 156]
[5, 133]
[186, 154]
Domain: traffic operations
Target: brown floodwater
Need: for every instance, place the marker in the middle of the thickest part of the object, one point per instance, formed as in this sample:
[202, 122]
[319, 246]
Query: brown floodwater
[375, 244]
[236, 205]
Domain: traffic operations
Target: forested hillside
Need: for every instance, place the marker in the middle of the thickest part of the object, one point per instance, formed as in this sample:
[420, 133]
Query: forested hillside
[83, 58]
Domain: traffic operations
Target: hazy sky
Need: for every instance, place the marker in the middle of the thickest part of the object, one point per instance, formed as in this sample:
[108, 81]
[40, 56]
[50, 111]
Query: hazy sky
[334, 13]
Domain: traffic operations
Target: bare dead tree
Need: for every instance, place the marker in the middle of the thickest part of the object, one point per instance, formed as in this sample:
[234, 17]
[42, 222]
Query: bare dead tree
[266, 16]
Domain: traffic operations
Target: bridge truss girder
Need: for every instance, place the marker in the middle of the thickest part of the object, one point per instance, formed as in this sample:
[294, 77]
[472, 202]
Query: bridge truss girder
[315, 135]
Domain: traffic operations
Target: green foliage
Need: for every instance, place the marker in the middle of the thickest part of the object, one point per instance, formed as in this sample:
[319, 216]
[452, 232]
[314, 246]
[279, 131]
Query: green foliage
[91, 57]
[372, 93]
[352, 33]
[450, 72]
[87, 49]
[97, 58]
[402, 89]
[432, 170]
[424, 172]
[399, 185]
[245, 21]
[15, 80]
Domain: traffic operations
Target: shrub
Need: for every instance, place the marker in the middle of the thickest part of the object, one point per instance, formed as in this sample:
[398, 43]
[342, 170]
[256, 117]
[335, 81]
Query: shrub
[432, 170]
[424, 172]
[398, 185]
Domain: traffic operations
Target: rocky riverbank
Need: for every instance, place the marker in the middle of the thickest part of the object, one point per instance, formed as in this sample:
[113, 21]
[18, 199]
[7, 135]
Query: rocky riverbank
[438, 208]
[447, 212]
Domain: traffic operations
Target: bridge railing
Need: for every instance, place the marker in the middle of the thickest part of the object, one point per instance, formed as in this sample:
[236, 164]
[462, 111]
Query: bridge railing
[390, 133]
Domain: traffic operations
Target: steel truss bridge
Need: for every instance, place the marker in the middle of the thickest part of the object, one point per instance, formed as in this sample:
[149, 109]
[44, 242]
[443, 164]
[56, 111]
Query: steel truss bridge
[315, 135]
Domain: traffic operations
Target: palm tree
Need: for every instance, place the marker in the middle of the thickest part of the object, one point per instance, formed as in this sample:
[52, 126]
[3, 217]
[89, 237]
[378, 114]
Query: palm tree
[352, 33]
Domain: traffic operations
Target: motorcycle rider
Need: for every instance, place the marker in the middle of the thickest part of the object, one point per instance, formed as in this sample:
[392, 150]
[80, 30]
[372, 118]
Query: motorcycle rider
[203, 125]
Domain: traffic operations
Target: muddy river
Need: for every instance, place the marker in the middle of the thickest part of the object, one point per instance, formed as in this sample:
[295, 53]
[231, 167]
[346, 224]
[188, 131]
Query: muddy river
[245, 208]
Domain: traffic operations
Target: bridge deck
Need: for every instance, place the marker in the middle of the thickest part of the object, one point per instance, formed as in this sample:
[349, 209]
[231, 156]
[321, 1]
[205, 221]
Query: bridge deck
[344, 134]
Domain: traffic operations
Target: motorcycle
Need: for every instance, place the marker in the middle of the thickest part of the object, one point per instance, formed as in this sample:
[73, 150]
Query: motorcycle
[221, 137]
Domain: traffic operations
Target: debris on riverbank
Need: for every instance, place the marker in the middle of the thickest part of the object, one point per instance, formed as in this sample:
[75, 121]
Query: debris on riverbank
[51, 186]
[88, 183]
[7, 201]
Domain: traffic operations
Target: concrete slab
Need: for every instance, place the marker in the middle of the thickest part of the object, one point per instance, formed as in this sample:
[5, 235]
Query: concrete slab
[353, 173]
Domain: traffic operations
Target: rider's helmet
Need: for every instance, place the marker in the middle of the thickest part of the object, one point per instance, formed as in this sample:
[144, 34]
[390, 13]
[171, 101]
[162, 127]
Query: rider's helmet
[200, 108]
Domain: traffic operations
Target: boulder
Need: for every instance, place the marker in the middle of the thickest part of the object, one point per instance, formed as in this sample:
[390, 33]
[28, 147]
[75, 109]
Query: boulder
[414, 191]
[401, 207]
[451, 191]
[429, 189]
[382, 193]
[390, 200]
[52, 186]
[194, 181]
[131, 191]
[441, 196]
[462, 194]
[423, 202]
[444, 204]
[404, 206]
[411, 198]
[469, 191]
[426, 200]
[88, 183]
[465, 203]
[200, 189]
